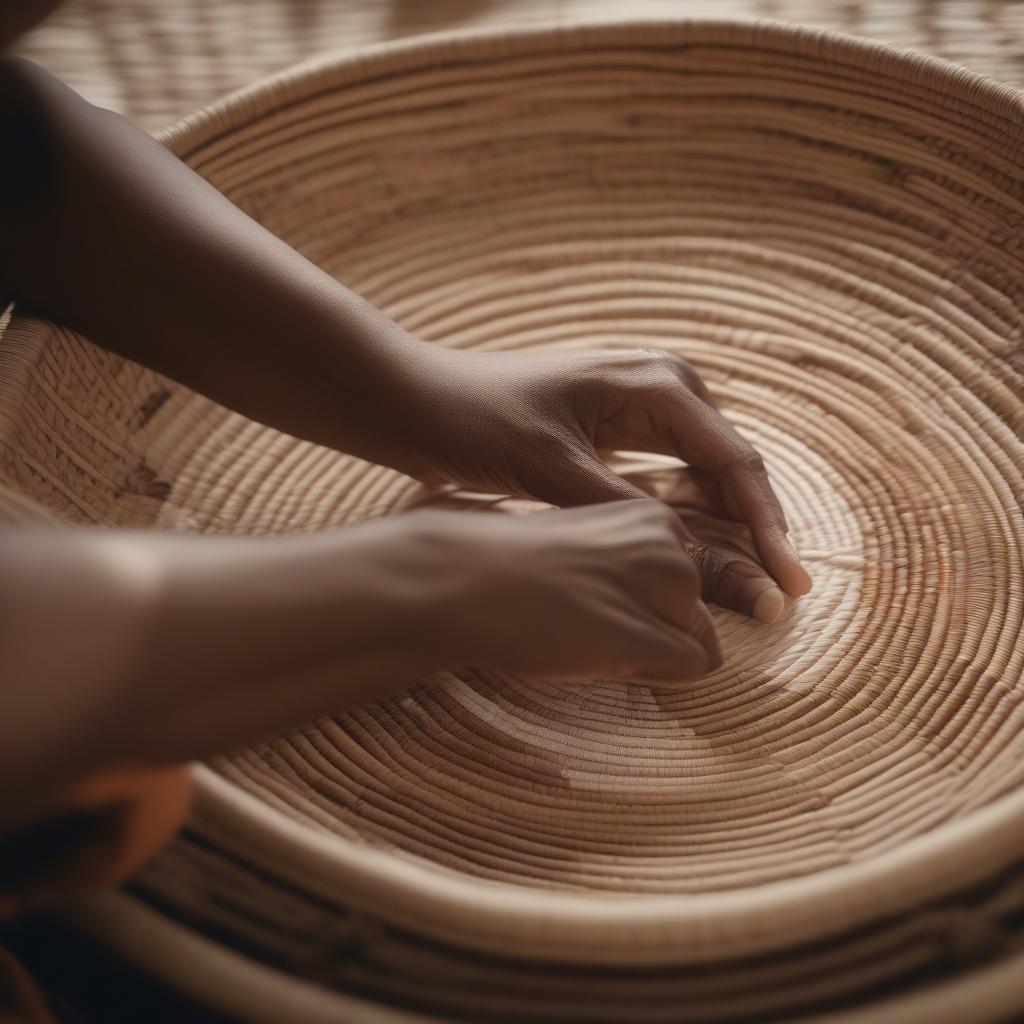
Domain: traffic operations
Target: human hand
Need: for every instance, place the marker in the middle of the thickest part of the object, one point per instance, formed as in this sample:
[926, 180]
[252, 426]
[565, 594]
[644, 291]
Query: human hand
[533, 424]
[288, 345]
[606, 590]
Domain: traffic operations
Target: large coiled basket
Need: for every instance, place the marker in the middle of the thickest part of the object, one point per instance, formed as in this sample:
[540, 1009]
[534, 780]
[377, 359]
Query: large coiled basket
[830, 826]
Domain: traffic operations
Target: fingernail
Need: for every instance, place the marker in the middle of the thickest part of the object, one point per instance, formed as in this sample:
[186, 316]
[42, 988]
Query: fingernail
[769, 605]
[761, 596]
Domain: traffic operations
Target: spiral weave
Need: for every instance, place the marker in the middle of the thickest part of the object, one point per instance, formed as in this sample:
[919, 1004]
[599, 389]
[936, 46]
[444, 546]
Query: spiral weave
[828, 229]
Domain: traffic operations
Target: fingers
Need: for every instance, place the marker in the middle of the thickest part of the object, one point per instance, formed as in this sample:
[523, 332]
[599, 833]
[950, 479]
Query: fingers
[704, 438]
[737, 584]
[702, 629]
[669, 583]
[671, 591]
[673, 657]
[724, 579]
[684, 647]
[749, 496]
[733, 581]
[662, 404]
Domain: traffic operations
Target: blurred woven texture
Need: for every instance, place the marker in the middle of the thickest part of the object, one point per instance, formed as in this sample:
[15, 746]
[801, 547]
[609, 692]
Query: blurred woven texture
[156, 61]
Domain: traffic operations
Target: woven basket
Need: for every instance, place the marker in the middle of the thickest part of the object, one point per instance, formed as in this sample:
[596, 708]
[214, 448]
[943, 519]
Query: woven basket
[830, 825]
[156, 61]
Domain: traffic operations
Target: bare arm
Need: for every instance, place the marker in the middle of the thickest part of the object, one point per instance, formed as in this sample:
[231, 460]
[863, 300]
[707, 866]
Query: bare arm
[108, 232]
[132, 649]
[123, 649]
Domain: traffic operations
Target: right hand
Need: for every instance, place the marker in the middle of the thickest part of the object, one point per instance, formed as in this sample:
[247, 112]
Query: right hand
[126, 651]
[600, 591]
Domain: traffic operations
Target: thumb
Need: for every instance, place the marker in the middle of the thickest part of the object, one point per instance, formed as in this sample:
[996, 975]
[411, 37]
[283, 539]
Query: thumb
[736, 583]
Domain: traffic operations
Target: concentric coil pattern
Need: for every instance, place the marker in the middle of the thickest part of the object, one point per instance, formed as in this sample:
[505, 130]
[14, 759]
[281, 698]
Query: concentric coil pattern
[829, 231]
[837, 253]
[155, 61]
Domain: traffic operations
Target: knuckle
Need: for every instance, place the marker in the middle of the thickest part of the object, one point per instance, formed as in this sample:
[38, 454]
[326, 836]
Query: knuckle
[707, 566]
[691, 377]
[702, 554]
[652, 370]
[681, 368]
[664, 360]
[638, 355]
[664, 370]
[698, 567]
[671, 366]
[748, 458]
[656, 372]
[619, 365]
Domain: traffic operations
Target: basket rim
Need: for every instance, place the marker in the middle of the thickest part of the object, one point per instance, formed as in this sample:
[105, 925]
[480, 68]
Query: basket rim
[596, 928]
[233, 983]
[335, 68]
[623, 930]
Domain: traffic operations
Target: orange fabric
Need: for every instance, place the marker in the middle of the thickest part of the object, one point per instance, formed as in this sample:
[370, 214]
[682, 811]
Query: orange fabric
[113, 824]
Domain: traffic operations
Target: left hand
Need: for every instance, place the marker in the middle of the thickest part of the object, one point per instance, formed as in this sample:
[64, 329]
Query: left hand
[532, 425]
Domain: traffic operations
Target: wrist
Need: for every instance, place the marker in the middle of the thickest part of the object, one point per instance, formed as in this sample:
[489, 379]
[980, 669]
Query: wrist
[363, 380]
[453, 564]
[404, 394]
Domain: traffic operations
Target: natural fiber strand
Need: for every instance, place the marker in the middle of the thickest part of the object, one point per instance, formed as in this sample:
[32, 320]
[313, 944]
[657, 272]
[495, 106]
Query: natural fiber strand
[827, 229]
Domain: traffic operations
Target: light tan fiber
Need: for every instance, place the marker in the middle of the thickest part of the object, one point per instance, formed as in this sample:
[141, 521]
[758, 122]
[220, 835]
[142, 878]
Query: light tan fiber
[829, 230]
[156, 61]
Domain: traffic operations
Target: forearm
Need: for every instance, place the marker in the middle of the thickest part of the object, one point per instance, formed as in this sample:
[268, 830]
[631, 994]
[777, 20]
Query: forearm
[132, 649]
[107, 232]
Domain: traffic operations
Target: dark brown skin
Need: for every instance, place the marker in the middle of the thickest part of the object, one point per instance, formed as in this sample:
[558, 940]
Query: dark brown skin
[171, 647]
[17, 18]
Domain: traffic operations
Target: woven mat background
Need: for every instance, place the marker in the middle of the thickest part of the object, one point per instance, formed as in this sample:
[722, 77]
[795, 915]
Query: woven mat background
[155, 61]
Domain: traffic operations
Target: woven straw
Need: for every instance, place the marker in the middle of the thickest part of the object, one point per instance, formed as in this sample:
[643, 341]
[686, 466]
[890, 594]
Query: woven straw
[833, 823]
[156, 61]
